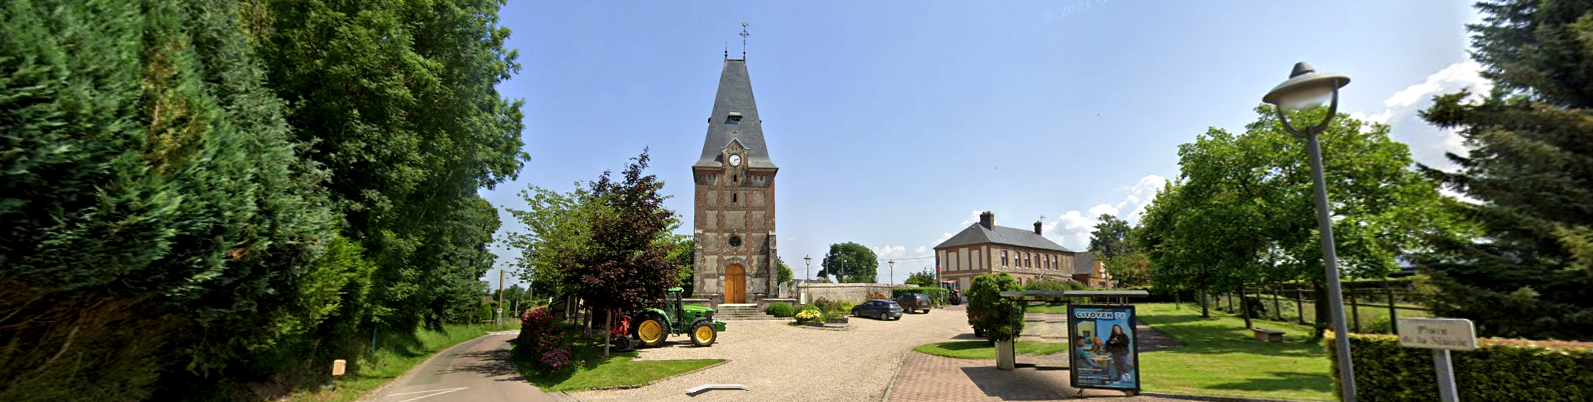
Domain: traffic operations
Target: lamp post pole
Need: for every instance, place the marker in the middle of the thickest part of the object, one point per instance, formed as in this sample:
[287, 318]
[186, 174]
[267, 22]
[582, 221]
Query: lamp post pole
[1305, 87]
[808, 260]
[892, 263]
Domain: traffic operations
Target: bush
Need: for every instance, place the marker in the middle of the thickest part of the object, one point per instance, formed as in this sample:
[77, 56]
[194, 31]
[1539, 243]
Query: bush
[843, 307]
[1054, 285]
[780, 309]
[1499, 370]
[542, 341]
[999, 318]
[834, 314]
[822, 304]
[809, 313]
[937, 296]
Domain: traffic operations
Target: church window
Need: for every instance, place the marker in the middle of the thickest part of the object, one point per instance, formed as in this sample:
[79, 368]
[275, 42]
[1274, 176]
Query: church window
[734, 118]
[735, 241]
[735, 179]
[732, 197]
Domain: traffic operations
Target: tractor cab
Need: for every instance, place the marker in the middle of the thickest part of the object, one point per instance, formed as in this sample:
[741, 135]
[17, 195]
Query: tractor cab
[953, 292]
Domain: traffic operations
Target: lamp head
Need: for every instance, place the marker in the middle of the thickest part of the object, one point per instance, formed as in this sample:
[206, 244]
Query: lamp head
[1305, 88]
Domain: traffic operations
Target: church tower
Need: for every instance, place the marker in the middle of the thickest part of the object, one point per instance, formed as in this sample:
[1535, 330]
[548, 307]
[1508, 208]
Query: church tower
[733, 214]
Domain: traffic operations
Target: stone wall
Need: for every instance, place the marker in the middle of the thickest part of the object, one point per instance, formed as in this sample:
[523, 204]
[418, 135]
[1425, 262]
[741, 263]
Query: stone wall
[852, 292]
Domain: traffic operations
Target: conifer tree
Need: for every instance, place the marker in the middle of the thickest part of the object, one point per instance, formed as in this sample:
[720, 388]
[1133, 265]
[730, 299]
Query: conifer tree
[1530, 165]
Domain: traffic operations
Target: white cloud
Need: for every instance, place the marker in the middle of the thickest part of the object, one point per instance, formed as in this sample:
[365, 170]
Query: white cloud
[922, 250]
[972, 217]
[1072, 228]
[1428, 143]
[889, 251]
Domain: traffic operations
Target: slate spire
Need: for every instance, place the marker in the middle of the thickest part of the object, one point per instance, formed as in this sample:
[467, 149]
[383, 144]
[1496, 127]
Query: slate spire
[735, 117]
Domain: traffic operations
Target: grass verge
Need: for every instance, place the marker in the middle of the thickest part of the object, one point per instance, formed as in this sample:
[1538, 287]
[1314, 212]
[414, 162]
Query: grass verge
[396, 354]
[983, 349]
[618, 370]
[1220, 358]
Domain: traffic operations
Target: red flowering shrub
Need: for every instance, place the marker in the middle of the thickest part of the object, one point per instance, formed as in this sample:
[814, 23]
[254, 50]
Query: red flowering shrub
[542, 342]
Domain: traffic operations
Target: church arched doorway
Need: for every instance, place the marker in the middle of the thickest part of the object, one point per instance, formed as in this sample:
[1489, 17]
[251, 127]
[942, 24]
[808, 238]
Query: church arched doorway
[735, 284]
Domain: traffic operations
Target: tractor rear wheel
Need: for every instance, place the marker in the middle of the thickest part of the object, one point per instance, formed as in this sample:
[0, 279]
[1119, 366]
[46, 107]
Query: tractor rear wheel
[651, 331]
[703, 333]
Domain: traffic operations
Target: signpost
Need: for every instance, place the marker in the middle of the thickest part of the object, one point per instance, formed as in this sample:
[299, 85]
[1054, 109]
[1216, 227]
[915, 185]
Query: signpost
[1441, 335]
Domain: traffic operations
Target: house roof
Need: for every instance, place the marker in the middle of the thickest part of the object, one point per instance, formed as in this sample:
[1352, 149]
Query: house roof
[735, 96]
[1084, 264]
[977, 234]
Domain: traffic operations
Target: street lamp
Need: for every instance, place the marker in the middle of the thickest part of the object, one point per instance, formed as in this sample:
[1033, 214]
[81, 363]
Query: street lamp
[809, 260]
[892, 263]
[1306, 89]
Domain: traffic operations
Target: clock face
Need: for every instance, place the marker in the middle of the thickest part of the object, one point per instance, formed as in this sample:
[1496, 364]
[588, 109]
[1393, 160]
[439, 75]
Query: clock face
[735, 160]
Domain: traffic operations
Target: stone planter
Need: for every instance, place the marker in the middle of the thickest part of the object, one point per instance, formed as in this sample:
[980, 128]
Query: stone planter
[813, 323]
[1005, 357]
[836, 320]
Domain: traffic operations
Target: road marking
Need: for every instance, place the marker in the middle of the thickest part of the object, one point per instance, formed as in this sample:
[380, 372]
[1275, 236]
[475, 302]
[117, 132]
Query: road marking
[436, 392]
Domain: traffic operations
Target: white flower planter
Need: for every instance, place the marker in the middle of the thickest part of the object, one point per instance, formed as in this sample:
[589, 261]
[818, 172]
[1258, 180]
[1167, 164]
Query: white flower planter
[1006, 358]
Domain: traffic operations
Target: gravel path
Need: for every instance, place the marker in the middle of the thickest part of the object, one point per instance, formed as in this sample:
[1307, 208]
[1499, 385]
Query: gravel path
[780, 362]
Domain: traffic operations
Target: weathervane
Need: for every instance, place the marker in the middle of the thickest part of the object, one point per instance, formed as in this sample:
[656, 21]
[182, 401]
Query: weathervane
[744, 35]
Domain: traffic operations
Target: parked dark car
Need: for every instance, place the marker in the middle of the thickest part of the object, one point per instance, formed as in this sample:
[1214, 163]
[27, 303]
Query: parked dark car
[881, 309]
[914, 301]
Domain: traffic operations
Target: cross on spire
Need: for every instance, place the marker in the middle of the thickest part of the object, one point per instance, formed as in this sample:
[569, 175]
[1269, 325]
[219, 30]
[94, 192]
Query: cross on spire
[744, 35]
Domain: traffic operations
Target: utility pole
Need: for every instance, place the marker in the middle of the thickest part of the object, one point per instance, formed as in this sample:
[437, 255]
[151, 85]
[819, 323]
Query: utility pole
[498, 318]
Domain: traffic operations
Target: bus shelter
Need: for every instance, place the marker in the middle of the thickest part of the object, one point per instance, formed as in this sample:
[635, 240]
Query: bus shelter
[1102, 343]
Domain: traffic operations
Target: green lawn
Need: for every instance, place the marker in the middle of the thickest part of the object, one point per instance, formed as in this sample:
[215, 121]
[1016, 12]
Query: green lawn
[618, 370]
[983, 349]
[1219, 357]
[396, 354]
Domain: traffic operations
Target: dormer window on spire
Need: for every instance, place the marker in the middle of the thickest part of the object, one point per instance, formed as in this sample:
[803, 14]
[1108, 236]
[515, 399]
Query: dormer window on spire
[734, 118]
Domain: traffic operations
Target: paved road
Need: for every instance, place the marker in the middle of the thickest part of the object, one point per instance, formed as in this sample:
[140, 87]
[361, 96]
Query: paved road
[780, 362]
[477, 370]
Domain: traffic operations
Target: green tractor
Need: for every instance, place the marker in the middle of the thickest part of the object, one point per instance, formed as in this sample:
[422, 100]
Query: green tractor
[650, 326]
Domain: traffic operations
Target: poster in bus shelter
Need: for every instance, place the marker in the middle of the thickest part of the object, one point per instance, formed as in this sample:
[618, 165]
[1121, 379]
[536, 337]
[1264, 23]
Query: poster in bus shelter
[1104, 352]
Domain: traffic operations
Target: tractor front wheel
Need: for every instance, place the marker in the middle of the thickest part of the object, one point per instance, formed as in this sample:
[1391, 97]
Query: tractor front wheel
[703, 333]
[651, 331]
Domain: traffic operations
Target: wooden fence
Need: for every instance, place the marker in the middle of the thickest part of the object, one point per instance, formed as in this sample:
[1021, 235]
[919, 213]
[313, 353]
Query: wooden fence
[1368, 310]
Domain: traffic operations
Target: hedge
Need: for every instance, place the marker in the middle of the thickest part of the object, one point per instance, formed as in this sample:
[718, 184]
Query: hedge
[781, 309]
[1499, 370]
[938, 296]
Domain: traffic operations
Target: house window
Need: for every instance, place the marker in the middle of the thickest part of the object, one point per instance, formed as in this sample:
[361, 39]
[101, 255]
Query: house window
[1003, 258]
[1027, 262]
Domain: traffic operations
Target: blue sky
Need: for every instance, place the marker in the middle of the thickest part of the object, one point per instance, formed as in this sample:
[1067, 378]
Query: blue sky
[893, 123]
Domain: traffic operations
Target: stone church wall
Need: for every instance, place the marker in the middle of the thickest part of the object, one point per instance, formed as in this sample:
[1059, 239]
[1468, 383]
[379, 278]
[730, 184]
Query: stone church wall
[852, 292]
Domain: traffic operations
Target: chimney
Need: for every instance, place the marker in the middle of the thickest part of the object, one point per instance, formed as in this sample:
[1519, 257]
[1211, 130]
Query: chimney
[988, 220]
[1036, 227]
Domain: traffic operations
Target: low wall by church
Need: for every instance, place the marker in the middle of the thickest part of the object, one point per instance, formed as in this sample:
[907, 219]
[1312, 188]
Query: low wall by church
[852, 292]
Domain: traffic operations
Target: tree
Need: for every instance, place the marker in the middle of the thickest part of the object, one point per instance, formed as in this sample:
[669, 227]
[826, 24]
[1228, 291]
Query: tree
[1242, 212]
[397, 101]
[850, 261]
[1531, 171]
[1129, 270]
[1110, 238]
[997, 318]
[784, 275]
[683, 252]
[160, 223]
[608, 244]
[922, 278]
